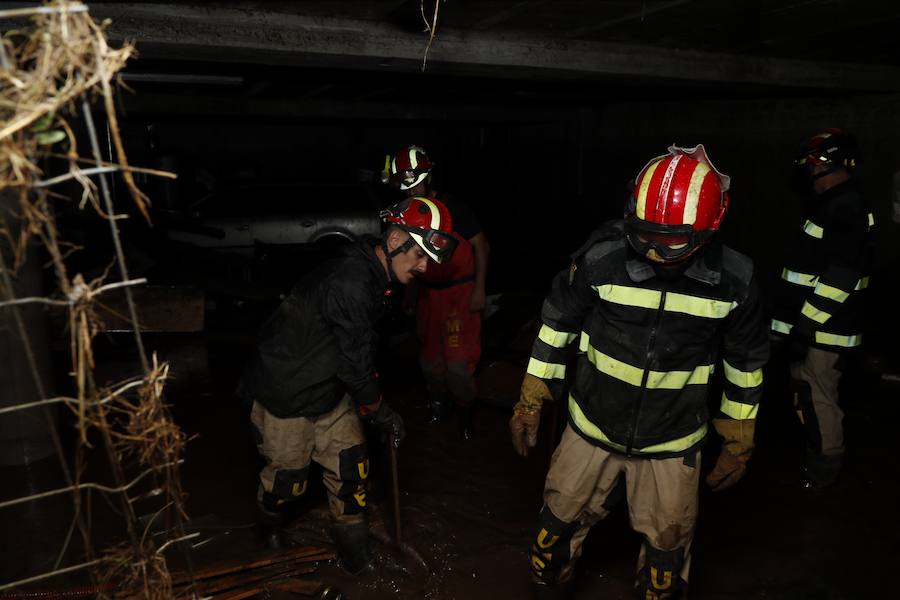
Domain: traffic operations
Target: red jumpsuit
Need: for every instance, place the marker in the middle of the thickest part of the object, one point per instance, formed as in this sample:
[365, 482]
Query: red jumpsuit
[449, 332]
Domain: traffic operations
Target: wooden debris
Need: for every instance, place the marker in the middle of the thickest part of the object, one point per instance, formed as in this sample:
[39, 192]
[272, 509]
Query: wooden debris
[232, 579]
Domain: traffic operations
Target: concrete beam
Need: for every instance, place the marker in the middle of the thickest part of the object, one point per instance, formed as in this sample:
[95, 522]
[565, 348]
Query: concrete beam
[245, 35]
[218, 106]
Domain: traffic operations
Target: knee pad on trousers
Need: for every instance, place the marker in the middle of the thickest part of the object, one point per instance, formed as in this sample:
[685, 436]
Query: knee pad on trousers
[803, 406]
[289, 484]
[551, 550]
[353, 463]
[660, 576]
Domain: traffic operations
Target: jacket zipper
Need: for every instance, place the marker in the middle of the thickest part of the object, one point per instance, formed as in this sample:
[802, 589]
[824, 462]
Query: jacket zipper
[651, 342]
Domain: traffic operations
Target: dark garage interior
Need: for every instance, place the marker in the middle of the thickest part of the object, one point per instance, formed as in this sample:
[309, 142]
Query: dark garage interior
[537, 114]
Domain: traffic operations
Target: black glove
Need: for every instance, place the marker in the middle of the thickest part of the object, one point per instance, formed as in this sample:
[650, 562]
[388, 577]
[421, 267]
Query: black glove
[798, 346]
[389, 422]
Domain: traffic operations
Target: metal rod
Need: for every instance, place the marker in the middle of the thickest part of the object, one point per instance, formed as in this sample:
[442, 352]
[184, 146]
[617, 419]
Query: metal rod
[41, 10]
[114, 231]
[395, 480]
[84, 486]
[14, 584]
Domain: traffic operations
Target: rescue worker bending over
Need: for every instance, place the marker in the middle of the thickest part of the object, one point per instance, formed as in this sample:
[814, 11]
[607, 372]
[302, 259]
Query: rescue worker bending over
[820, 304]
[313, 375]
[652, 301]
[450, 297]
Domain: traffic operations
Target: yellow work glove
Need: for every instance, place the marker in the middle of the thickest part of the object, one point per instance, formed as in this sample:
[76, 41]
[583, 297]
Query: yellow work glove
[737, 447]
[527, 413]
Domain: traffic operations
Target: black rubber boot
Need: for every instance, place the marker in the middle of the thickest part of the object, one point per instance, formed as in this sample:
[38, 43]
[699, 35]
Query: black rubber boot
[464, 422]
[353, 547]
[821, 471]
[546, 591]
[440, 407]
[271, 523]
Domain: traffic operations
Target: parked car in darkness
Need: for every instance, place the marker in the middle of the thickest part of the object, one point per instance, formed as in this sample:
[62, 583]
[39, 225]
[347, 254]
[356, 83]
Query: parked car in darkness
[243, 217]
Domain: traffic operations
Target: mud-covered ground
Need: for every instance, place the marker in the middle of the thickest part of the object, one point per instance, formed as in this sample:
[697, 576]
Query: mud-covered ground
[468, 508]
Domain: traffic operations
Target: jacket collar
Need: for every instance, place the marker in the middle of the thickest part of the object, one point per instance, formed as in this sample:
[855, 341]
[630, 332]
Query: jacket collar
[706, 267]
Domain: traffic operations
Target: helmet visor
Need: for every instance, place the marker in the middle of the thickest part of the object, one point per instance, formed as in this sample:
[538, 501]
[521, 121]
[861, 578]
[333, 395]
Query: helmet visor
[437, 244]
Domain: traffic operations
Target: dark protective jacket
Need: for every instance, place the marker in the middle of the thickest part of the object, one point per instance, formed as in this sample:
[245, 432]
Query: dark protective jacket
[648, 346]
[826, 272]
[321, 341]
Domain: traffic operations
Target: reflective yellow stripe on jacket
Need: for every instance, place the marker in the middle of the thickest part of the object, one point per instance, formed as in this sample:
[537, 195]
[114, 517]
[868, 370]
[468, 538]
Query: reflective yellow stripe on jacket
[810, 228]
[656, 380]
[807, 280]
[546, 370]
[589, 429]
[552, 337]
[826, 339]
[697, 306]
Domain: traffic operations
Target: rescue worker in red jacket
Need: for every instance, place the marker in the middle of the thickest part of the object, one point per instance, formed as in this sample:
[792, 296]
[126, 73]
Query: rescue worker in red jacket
[450, 297]
[312, 376]
[654, 304]
[820, 304]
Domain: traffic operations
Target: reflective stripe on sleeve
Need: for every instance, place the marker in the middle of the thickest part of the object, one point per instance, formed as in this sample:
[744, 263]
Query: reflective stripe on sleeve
[832, 293]
[557, 339]
[832, 339]
[585, 426]
[781, 326]
[799, 278]
[811, 312]
[743, 379]
[546, 370]
[738, 410]
[810, 228]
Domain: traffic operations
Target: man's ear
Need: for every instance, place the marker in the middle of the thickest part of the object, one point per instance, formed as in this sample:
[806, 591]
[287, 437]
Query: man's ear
[394, 240]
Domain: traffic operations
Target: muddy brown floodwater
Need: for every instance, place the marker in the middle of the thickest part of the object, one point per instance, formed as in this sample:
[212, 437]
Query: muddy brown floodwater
[468, 508]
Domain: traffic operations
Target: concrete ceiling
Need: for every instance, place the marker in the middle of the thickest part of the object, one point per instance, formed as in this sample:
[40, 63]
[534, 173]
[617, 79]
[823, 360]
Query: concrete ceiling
[506, 53]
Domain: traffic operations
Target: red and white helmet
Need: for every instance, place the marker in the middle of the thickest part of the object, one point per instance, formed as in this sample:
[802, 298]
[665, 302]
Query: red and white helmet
[408, 168]
[428, 223]
[678, 202]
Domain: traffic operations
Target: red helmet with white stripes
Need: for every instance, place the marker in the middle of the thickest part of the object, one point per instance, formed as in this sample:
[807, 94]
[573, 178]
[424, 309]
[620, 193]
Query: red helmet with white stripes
[428, 223]
[678, 203]
[409, 167]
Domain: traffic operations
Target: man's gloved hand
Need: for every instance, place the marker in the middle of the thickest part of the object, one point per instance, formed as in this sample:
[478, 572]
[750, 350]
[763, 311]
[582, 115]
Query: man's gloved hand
[737, 447]
[527, 413]
[387, 420]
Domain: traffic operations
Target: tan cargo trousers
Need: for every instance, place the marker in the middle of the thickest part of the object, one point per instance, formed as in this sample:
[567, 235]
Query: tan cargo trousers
[824, 425]
[334, 440]
[581, 489]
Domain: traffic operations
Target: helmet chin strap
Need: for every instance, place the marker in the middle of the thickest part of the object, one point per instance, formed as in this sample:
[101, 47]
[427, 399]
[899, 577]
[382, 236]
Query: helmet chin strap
[389, 255]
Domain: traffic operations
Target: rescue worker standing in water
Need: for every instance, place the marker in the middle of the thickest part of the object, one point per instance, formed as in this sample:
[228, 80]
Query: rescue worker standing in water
[450, 297]
[820, 304]
[312, 376]
[653, 302]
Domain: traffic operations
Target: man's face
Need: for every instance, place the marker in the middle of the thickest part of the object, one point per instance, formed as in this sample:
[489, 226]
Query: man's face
[409, 264]
[420, 189]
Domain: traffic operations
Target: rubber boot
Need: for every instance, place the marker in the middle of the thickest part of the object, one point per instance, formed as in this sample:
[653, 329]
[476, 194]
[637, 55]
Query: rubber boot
[353, 547]
[547, 591]
[821, 471]
[438, 411]
[464, 422]
[271, 520]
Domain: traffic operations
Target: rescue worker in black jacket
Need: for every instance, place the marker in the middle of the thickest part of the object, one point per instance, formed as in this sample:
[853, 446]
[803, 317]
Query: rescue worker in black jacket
[313, 375]
[819, 306]
[651, 303]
